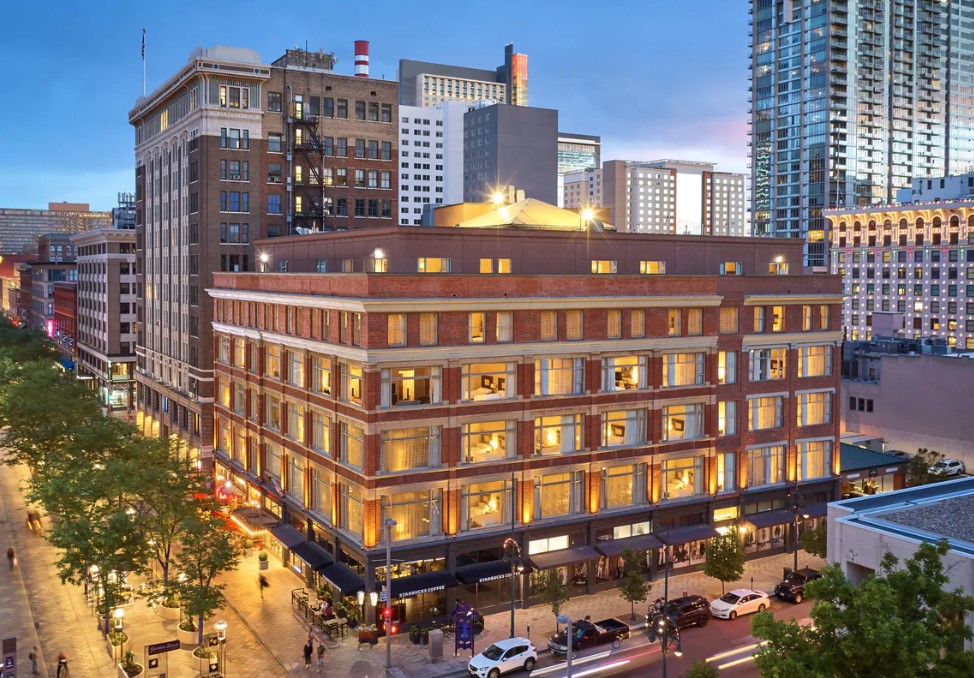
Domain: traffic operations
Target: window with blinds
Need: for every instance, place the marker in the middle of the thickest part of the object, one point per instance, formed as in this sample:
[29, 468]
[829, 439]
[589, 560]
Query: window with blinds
[427, 329]
[573, 325]
[549, 326]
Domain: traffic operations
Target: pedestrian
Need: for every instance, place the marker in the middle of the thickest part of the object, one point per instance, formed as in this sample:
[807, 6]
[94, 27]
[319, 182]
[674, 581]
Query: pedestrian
[33, 660]
[11, 557]
[308, 649]
[262, 584]
[62, 663]
[321, 656]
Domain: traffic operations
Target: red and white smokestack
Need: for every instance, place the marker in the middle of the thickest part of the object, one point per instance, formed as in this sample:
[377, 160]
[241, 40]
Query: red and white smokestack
[361, 58]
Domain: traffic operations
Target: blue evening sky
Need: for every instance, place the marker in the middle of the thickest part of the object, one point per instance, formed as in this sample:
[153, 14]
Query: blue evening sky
[655, 78]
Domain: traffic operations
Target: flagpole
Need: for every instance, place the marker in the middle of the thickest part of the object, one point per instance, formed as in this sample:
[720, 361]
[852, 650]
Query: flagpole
[143, 62]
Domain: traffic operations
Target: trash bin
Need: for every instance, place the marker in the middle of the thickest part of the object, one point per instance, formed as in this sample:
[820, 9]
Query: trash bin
[436, 646]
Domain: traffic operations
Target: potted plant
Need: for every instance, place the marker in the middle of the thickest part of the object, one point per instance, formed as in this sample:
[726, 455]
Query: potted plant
[169, 606]
[187, 632]
[414, 634]
[340, 610]
[368, 634]
[116, 641]
[262, 560]
[248, 546]
[424, 636]
[129, 668]
[353, 616]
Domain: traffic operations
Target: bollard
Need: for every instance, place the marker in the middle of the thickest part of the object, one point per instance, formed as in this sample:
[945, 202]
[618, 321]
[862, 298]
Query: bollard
[436, 646]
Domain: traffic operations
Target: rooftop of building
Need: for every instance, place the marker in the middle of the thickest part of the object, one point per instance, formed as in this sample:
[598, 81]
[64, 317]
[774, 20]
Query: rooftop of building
[530, 213]
[897, 207]
[855, 458]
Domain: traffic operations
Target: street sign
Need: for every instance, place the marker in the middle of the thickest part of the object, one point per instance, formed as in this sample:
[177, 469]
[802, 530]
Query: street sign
[157, 648]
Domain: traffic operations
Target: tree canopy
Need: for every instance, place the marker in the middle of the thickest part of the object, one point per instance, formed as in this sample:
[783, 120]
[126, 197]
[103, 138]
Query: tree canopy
[633, 587]
[725, 558]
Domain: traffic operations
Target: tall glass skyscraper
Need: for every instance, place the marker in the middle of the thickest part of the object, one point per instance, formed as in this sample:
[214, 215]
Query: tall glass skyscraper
[850, 100]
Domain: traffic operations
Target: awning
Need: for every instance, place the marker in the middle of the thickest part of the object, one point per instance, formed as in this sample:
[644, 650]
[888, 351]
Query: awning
[684, 535]
[287, 535]
[403, 587]
[66, 363]
[254, 520]
[343, 578]
[315, 556]
[489, 571]
[579, 553]
[615, 547]
[769, 518]
[819, 510]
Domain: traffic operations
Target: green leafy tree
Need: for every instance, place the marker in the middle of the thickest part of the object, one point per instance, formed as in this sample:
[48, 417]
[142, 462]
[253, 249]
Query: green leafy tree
[815, 541]
[899, 623]
[725, 558]
[552, 589]
[633, 587]
[701, 669]
[918, 467]
[207, 550]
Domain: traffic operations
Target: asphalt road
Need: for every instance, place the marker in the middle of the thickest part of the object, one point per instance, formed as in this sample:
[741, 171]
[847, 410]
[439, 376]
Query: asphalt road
[725, 644]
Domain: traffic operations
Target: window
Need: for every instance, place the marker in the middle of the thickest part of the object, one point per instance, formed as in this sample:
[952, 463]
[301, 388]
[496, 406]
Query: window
[727, 367]
[275, 143]
[321, 432]
[673, 322]
[505, 326]
[815, 457]
[652, 267]
[486, 504]
[767, 363]
[558, 435]
[487, 441]
[477, 328]
[624, 373]
[396, 329]
[778, 268]
[274, 205]
[726, 472]
[728, 320]
[624, 486]
[558, 494]
[731, 268]
[322, 482]
[321, 374]
[352, 444]
[342, 108]
[806, 318]
[273, 102]
[694, 322]
[604, 266]
[223, 352]
[559, 376]
[683, 369]
[272, 460]
[272, 413]
[766, 412]
[765, 465]
[759, 318]
[410, 448]
[427, 329]
[623, 428]
[549, 326]
[823, 317]
[239, 353]
[410, 386]
[682, 422]
[682, 477]
[814, 408]
[613, 327]
[487, 381]
[295, 368]
[726, 418]
[815, 361]
[432, 265]
[351, 383]
[637, 324]
[574, 329]
[272, 362]
[294, 426]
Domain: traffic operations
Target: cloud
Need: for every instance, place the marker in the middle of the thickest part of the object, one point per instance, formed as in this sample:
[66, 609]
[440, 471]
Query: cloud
[34, 189]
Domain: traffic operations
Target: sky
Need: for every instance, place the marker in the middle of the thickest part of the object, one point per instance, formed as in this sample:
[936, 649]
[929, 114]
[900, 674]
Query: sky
[654, 78]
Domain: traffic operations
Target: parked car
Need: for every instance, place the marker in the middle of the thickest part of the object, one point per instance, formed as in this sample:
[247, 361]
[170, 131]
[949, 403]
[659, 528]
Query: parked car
[739, 601]
[586, 634]
[948, 467]
[504, 656]
[792, 587]
[682, 612]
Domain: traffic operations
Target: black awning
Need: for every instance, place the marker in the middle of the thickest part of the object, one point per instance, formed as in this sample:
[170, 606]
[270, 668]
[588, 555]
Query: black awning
[315, 556]
[818, 510]
[403, 587]
[287, 535]
[769, 518]
[343, 578]
[489, 571]
[615, 547]
[684, 535]
[579, 553]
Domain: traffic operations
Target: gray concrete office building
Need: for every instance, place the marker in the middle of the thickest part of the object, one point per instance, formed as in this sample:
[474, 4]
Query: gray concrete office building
[510, 146]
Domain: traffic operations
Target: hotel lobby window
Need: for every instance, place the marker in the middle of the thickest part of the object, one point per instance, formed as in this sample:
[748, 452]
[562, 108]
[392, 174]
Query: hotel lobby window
[683, 369]
[623, 373]
[558, 435]
[558, 494]
[624, 486]
[486, 505]
[406, 449]
[623, 427]
[487, 381]
[765, 465]
[682, 477]
[559, 376]
[486, 441]
[410, 386]
[417, 514]
[683, 422]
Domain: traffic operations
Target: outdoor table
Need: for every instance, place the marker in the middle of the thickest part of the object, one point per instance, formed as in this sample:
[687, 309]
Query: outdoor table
[335, 627]
[299, 595]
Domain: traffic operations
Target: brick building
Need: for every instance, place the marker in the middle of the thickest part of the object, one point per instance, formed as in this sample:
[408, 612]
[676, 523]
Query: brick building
[583, 392]
[65, 327]
[229, 150]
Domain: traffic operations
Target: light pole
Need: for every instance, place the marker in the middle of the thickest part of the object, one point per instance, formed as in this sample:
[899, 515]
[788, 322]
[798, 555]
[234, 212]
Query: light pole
[389, 524]
[661, 628]
[119, 615]
[565, 619]
[796, 507]
[512, 552]
[221, 635]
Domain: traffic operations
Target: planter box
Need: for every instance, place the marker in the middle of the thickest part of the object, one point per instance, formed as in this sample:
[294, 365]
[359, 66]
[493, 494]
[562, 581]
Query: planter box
[167, 612]
[122, 674]
[263, 564]
[191, 638]
[115, 651]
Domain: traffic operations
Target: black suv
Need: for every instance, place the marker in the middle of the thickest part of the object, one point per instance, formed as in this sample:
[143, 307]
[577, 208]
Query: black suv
[793, 586]
[683, 612]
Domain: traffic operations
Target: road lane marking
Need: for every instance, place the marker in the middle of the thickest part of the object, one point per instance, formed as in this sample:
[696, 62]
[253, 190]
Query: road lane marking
[731, 653]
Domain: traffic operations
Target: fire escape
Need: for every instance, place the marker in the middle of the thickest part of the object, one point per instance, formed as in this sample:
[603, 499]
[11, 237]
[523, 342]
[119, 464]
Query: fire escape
[307, 205]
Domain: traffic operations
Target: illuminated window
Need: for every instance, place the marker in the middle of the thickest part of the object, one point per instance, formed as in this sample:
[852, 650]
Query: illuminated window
[765, 465]
[623, 373]
[427, 329]
[351, 383]
[814, 408]
[652, 267]
[272, 356]
[731, 268]
[573, 325]
[558, 494]
[726, 418]
[623, 428]
[823, 317]
[549, 326]
[486, 265]
[603, 266]
[727, 472]
[766, 412]
[320, 432]
[777, 318]
[487, 441]
[815, 361]
[320, 374]
[410, 448]
[806, 318]
[682, 477]
[815, 459]
[673, 322]
[416, 514]
[727, 367]
[558, 435]
[624, 486]
[559, 376]
[487, 381]
[683, 369]
[694, 322]
[433, 265]
[683, 422]
[477, 326]
[272, 413]
[728, 320]
[613, 324]
[767, 363]
[759, 318]
[486, 504]
[637, 324]
[410, 386]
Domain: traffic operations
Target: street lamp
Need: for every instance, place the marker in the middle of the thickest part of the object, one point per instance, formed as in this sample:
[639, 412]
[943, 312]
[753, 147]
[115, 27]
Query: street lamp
[389, 524]
[512, 553]
[586, 215]
[661, 628]
[565, 619]
[797, 506]
[119, 616]
[221, 635]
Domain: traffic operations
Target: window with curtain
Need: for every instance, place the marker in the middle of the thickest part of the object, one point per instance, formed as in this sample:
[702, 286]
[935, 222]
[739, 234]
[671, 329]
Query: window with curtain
[427, 329]
[352, 513]
[410, 448]
[295, 421]
[637, 323]
[321, 374]
[682, 477]
[574, 329]
[815, 458]
[295, 368]
[403, 386]
[623, 427]
[352, 383]
[352, 441]
[557, 494]
[683, 422]
[294, 482]
[815, 361]
[728, 320]
[239, 353]
[814, 408]
[321, 498]
[765, 465]
[683, 369]
[767, 363]
[549, 326]
[726, 418]
[505, 326]
[487, 381]
[695, 321]
[558, 435]
[727, 367]
[396, 329]
[766, 412]
[674, 320]
[726, 471]
[272, 460]
[559, 376]
[624, 373]
[320, 432]
[624, 486]
[613, 324]
[487, 441]
[486, 504]
[417, 514]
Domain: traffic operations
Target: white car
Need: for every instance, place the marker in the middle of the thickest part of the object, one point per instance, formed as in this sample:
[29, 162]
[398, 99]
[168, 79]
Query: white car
[738, 602]
[510, 654]
[948, 467]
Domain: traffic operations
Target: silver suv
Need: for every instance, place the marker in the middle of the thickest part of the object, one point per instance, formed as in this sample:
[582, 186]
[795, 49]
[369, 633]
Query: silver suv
[948, 467]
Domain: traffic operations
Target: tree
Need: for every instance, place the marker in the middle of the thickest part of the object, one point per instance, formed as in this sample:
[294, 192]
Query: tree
[725, 558]
[701, 669]
[815, 541]
[898, 623]
[918, 467]
[552, 589]
[206, 551]
[633, 587]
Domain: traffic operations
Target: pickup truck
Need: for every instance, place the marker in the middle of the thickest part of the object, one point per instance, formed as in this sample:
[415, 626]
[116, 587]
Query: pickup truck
[587, 634]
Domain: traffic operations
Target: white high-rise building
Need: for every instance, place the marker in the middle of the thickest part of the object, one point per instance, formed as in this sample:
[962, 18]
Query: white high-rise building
[430, 158]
